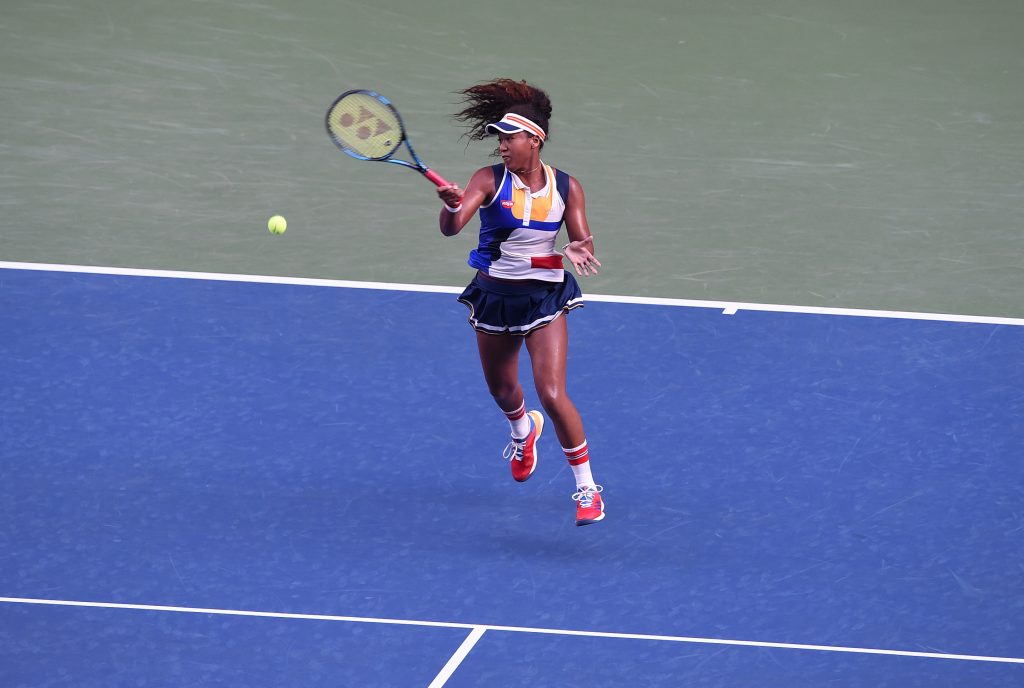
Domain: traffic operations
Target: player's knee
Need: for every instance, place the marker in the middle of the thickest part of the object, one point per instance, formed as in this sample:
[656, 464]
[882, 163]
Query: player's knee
[552, 398]
[502, 390]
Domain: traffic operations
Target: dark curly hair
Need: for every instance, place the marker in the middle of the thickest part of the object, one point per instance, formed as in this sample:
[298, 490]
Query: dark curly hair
[488, 102]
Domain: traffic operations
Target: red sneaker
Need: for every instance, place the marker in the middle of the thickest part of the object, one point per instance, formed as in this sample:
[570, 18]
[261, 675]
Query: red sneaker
[589, 505]
[522, 454]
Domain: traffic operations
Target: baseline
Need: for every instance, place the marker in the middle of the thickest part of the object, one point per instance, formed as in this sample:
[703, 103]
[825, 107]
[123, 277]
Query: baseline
[727, 307]
[479, 629]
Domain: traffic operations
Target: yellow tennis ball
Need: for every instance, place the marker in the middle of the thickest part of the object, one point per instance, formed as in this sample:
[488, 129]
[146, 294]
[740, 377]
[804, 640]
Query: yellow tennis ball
[277, 225]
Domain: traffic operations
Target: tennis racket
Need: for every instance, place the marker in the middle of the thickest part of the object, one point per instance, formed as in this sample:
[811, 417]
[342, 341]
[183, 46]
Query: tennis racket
[365, 125]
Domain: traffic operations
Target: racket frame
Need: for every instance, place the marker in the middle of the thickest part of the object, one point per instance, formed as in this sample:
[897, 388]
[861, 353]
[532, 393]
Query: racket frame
[417, 165]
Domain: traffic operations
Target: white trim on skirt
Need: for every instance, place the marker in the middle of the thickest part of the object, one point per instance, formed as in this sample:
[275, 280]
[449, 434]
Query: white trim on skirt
[520, 329]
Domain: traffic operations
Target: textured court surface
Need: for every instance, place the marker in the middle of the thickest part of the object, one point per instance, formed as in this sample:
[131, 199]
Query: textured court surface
[771, 477]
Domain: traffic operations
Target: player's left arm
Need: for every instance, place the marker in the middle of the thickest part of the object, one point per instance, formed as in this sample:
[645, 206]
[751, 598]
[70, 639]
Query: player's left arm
[580, 249]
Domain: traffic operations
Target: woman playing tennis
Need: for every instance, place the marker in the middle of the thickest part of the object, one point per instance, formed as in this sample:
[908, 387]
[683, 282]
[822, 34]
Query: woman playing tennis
[520, 291]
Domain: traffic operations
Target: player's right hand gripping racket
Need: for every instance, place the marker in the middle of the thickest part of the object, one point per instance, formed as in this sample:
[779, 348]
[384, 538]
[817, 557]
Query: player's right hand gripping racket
[366, 125]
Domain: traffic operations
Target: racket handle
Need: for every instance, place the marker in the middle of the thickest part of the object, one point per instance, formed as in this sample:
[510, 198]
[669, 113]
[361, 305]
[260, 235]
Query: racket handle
[433, 176]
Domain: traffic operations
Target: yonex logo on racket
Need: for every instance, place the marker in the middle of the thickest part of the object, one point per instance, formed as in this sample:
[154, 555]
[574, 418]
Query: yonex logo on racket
[376, 127]
[348, 120]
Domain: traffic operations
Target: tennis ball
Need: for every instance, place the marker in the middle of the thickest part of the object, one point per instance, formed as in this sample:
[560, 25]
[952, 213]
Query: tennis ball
[277, 225]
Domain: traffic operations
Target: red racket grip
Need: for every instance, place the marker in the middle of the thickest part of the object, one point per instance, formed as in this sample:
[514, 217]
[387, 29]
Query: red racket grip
[433, 176]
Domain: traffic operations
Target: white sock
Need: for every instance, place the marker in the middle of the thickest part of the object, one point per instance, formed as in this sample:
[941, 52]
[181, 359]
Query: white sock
[583, 476]
[579, 462]
[519, 422]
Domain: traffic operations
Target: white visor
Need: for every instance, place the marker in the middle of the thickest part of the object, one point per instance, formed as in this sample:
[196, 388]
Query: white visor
[512, 123]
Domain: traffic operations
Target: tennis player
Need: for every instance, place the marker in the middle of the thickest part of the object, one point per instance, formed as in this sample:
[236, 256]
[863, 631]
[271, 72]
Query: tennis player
[521, 291]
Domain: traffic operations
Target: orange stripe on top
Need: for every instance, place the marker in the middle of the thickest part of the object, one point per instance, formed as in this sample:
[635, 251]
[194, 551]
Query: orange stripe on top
[540, 206]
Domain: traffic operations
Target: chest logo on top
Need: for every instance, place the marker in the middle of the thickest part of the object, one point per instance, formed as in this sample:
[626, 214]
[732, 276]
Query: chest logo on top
[507, 204]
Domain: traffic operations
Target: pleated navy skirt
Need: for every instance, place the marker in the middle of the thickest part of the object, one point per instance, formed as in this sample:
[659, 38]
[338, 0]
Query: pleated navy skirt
[518, 308]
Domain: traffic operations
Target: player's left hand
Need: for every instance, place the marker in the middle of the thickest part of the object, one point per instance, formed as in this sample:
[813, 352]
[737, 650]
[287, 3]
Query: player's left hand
[582, 256]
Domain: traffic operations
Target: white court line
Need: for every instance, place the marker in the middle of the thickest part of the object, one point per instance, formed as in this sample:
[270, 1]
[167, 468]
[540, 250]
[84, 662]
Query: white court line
[227, 277]
[456, 660]
[514, 629]
[727, 307]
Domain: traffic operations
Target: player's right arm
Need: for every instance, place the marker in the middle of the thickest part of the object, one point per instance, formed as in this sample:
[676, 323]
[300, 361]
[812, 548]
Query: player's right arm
[479, 191]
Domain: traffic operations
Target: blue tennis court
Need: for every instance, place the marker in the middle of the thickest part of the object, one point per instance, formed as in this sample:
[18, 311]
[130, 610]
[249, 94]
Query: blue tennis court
[211, 482]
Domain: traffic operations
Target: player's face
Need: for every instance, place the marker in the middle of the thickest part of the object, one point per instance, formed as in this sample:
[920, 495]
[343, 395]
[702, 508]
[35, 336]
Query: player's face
[518, 150]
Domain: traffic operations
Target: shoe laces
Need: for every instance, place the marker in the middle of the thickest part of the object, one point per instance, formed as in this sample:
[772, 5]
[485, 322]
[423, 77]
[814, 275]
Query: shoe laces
[586, 495]
[514, 450]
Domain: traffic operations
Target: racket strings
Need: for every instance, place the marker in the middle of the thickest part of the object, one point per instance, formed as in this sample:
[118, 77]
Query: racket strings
[363, 125]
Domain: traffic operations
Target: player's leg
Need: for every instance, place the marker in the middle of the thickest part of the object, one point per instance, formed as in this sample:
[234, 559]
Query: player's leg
[499, 357]
[549, 351]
